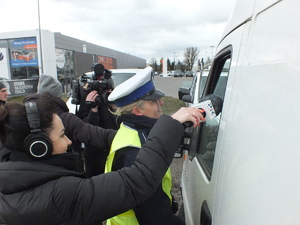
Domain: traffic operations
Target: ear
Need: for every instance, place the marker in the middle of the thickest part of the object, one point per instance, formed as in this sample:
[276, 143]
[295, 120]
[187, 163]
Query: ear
[136, 111]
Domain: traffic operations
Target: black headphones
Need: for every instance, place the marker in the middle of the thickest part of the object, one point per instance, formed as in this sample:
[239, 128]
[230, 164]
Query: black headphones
[37, 144]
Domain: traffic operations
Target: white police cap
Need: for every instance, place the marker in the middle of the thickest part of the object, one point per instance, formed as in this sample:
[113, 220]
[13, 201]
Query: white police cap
[139, 86]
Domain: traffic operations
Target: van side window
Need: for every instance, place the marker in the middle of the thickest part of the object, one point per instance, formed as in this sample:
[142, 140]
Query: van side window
[207, 135]
[202, 85]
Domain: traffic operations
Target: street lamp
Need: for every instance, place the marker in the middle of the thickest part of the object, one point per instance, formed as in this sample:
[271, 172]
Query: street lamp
[40, 37]
[174, 62]
[212, 51]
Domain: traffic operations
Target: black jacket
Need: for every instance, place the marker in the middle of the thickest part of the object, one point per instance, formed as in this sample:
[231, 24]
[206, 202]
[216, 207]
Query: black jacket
[34, 193]
[94, 159]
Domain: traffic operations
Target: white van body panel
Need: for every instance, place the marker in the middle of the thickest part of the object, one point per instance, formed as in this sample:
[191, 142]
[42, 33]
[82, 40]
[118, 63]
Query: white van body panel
[194, 177]
[256, 169]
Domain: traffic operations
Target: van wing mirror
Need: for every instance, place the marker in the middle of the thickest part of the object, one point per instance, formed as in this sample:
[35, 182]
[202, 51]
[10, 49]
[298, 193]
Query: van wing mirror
[187, 98]
[182, 92]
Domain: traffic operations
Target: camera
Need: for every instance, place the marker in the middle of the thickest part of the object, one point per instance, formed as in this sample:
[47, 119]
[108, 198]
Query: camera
[101, 85]
[100, 81]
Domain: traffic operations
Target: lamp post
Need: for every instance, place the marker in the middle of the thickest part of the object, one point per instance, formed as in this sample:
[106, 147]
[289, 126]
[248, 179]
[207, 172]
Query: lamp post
[212, 51]
[174, 62]
[40, 40]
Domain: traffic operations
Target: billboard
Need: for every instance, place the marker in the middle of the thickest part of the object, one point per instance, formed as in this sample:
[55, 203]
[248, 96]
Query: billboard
[107, 62]
[21, 87]
[24, 52]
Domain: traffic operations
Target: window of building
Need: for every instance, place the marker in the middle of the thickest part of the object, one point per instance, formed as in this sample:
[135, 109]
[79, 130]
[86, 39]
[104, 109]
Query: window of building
[3, 44]
[64, 63]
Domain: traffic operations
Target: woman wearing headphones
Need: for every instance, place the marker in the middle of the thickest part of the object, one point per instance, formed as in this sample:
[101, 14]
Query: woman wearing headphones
[38, 181]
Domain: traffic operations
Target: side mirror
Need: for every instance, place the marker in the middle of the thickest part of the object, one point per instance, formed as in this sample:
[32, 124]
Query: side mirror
[182, 92]
[187, 98]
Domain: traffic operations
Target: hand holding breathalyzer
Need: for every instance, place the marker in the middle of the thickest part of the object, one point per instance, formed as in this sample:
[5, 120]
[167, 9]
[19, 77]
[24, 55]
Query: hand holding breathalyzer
[189, 115]
[210, 105]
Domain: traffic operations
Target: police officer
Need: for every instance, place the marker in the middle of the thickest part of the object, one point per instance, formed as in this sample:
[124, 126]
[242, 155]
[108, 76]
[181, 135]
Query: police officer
[139, 105]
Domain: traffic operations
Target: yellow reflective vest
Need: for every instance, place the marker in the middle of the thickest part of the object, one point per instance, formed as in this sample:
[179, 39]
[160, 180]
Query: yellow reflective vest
[128, 137]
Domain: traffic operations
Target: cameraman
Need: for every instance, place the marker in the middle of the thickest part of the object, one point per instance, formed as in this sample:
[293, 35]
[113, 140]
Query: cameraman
[96, 110]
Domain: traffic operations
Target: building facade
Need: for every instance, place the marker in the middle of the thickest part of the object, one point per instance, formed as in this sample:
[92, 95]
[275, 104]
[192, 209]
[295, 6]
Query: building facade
[27, 54]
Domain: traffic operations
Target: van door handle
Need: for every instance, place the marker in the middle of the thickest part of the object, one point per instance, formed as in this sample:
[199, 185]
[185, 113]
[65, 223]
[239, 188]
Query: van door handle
[205, 216]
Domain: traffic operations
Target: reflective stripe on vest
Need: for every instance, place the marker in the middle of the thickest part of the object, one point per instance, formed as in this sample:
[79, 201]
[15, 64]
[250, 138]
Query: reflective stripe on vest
[128, 137]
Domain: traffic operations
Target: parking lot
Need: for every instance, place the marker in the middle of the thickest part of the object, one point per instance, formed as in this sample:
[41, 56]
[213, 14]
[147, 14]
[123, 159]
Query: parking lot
[170, 85]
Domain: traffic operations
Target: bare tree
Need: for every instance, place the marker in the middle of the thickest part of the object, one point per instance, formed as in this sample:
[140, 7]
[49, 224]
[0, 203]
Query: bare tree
[153, 64]
[169, 65]
[190, 57]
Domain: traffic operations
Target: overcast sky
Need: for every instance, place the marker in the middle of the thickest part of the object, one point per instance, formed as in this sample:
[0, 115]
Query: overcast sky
[143, 28]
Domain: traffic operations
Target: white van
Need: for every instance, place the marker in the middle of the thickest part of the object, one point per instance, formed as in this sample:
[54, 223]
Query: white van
[243, 167]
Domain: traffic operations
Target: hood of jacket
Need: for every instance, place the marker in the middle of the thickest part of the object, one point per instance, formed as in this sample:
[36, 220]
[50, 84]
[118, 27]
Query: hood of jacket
[16, 176]
[50, 85]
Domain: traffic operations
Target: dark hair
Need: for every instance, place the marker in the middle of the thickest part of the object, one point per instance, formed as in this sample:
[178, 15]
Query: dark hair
[14, 125]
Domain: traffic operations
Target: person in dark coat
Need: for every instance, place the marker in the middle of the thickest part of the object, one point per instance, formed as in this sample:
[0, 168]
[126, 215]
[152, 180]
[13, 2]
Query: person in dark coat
[3, 93]
[38, 188]
[77, 130]
[96, 110]
[100, 116]
[139, 106]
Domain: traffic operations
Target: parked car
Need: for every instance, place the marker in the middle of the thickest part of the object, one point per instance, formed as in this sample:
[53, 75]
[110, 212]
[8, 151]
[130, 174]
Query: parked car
[171, 73]
[178, 73]
[155, 73]
[189, 73]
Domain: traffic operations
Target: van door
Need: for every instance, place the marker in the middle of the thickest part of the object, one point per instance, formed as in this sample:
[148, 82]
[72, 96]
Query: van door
[200, 168]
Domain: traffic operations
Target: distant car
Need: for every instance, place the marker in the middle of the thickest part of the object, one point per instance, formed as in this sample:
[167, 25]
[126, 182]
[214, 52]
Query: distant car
[178, 73]
[171, 73]
[189, 74]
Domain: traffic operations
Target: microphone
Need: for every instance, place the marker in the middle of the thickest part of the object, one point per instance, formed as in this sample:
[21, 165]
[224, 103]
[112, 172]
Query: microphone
[210, 105]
